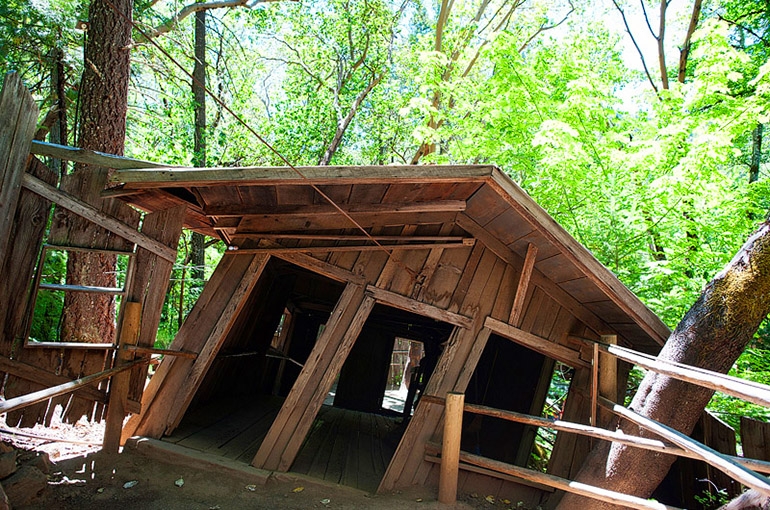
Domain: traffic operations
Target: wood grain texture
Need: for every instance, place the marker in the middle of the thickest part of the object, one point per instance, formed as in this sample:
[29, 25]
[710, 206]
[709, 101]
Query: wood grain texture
[18, 114]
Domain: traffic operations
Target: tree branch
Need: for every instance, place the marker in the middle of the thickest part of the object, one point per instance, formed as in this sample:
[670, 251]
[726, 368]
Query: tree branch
[661, 48]
[684, 53]
[638, 50]
[196, 7]
[343, 125]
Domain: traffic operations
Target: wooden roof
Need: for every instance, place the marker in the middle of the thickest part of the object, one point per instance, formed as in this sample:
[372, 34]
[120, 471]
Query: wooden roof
[423, 206]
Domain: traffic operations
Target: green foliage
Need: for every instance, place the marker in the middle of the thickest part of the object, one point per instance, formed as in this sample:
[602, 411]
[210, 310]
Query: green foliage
[655, 185]
[49, 304]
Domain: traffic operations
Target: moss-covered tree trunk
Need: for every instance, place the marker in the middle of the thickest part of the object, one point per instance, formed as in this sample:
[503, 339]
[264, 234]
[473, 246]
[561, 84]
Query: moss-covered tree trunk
[712, 335]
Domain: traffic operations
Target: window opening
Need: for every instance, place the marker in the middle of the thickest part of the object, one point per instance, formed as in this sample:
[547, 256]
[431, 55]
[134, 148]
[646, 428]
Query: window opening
[50, 289]
[545, 439]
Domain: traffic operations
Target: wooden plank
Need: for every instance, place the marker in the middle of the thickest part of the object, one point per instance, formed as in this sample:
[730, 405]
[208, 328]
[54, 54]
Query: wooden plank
[616, 498]
[431, 264]
[318, 266]
[93, 214]
[410, 305]
[334, 365]
[32, 373]
[119, 385]
[461, 289]
[594, 384]
[18, 115]
[359, 238]
[315, 175]
[755, 438]
[290, 427]
[721, 462]
[580, 256]
[164, 352]
[536, 343]
[521, 291]
[89, 157]
[734, 386]
[150, 280]
[185, 392]
[29, 224]
[303, 210]
[393, 264]
[359, 248]
[15, 403]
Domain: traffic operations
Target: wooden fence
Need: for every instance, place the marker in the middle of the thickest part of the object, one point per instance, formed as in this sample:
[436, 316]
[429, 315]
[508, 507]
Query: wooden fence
[741, 469]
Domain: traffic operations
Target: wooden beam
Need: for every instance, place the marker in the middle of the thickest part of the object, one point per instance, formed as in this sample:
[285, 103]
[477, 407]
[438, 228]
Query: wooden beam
[536, 343]
[38, 396]
[389, 298]
[580, 256]
[334, 249]
[119, 385]
[164, 352]
[89, 157]
[721, 462]
[431, 455]
[92, 214]
[252, 226]
[267, 176]
[304, 211]
[359, 238]
[323, 268]
[589, 491]
[747, 390]
[644, 443]
[161, 392]
[32, 373]
[521, 291]
[18, 115]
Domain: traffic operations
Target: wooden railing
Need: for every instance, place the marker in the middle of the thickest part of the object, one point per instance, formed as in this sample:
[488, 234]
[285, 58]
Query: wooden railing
[744, 470]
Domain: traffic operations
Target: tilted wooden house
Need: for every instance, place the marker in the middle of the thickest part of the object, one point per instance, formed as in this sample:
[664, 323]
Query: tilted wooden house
[349, 258]
[327, 267]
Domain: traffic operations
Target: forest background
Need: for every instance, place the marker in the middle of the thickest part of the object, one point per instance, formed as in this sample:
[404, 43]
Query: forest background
[638, 126]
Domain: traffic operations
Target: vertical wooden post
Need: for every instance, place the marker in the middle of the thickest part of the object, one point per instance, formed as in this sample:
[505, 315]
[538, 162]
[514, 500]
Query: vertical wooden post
[120, 383]
[517, 311]
[608, 378]
[594, 383]
[450, 450]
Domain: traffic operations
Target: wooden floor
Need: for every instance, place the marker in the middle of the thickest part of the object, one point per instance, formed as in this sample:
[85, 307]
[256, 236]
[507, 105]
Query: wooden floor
[346, 447]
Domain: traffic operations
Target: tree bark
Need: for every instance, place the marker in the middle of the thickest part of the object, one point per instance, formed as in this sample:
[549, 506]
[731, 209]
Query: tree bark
[198, 241]
[712, 334]
[89, 317]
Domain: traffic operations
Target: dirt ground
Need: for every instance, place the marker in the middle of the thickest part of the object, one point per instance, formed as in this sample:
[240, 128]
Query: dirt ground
[149, 478]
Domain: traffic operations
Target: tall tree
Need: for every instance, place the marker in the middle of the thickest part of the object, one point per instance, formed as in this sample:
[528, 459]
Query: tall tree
[198, 241]
[102, 127]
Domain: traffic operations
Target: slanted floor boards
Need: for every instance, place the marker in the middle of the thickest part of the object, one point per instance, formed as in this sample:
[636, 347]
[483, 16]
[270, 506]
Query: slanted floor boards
[346, 447]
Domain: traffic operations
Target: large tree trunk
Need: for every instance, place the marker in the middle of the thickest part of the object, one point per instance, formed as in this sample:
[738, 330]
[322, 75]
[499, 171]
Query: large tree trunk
[198, 242]
[90, 317]
[712, 335]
